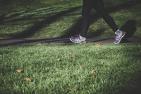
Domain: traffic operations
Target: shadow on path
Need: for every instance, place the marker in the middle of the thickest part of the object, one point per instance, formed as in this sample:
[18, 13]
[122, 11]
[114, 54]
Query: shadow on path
[99, 40]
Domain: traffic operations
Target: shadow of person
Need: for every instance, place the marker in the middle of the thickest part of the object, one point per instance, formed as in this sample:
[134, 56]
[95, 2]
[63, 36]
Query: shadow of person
[130, 28]
[76, 27]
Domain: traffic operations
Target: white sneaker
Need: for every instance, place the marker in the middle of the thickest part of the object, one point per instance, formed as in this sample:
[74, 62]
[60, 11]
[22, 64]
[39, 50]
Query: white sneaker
[119, 36]
[77, 39]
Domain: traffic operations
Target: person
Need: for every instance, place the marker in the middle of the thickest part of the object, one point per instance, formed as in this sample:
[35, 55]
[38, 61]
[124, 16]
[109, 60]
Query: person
[87, 7]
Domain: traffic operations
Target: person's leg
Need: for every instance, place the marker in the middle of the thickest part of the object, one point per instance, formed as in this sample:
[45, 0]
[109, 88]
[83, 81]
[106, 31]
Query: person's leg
[84, 24]
[99, 6]
[86, 15]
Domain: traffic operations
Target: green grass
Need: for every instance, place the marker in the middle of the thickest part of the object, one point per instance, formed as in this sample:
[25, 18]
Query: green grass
[71, 69]
[22, 18]
[65, 69]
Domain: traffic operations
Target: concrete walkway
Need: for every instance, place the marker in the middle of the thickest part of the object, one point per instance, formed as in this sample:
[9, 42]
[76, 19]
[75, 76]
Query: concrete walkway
[106, 40]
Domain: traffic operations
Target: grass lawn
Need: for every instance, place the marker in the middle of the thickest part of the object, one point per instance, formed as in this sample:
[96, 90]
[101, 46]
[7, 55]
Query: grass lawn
[62, 68]
[69, 69]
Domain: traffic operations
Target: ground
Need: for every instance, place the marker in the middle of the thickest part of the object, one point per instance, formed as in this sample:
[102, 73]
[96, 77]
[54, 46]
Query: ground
[37, 57]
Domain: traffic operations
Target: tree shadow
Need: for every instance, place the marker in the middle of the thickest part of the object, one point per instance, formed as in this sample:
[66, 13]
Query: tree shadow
[134, 86]
[2, 17]
[98, 32]
[10, 42]
[13, 17]
[76, 26]
[5, 70]
[40, 24]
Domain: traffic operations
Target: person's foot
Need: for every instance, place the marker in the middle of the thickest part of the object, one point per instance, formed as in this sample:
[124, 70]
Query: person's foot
[119, 36]
[77, 39]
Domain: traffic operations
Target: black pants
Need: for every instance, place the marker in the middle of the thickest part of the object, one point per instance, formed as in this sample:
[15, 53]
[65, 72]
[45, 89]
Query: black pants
[98, 5]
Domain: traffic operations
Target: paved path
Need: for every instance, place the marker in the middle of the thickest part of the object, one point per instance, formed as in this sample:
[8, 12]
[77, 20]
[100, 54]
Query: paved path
[108, 40]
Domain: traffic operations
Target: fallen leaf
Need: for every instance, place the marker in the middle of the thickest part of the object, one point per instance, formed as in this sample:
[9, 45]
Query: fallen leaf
[19, 70]
[59, 59]
[93, 73]
[82, 66]
[98, 45]
[28, 79]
